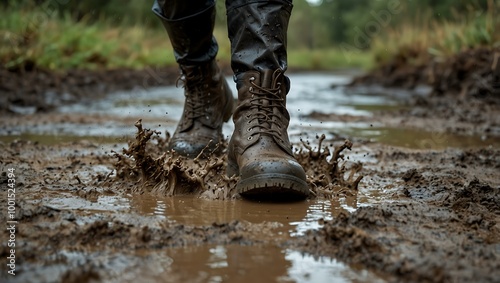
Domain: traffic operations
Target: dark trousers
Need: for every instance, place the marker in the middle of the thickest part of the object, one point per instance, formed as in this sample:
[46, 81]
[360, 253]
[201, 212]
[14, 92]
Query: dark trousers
[256, 29]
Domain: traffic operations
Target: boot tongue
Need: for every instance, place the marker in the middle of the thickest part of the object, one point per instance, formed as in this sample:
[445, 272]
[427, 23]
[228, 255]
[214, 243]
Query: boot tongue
[266, 78]
[194, 77]
[266, 81]
[191, 71]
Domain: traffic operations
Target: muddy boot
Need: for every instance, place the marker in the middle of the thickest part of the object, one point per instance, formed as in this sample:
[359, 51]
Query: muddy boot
[259, 151]
[208, 99]
[208, 103]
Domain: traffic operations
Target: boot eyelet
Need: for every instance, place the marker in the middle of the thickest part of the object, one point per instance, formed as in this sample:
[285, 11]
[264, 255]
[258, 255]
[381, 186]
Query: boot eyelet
[252, 79]
[250, 138]
[249, 129]
[250, 88]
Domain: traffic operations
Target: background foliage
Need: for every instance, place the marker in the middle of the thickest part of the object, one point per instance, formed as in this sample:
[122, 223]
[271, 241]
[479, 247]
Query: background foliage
[322, 34]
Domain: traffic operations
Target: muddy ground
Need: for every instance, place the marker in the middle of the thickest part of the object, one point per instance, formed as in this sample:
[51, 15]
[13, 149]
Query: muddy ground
[422, 214]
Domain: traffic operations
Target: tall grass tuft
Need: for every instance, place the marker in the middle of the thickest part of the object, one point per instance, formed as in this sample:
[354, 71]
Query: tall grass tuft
[430, 38]
[58, 43]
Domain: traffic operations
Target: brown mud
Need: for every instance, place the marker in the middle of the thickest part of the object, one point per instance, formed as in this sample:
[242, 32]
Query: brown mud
[124, 210]
[470, 73]
[38, 90]
[464, 94]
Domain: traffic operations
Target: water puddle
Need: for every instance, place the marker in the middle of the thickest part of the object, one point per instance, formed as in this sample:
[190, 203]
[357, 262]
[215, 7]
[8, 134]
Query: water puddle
[290, 218]
[419, 139]
[399, 137]
[160, 108]
[213, 263]
[263, 263]
[49, 139]
[233, 263]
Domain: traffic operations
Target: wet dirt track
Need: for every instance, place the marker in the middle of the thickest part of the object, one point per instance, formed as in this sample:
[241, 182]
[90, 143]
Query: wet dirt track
[426, 210]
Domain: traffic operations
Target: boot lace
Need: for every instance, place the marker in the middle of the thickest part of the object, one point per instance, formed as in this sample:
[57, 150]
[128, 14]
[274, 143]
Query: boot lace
[263, 102]
[195, 100]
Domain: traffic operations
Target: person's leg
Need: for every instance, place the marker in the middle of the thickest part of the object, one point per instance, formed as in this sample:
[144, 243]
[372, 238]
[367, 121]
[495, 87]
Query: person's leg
[209, 100]
[259, 150]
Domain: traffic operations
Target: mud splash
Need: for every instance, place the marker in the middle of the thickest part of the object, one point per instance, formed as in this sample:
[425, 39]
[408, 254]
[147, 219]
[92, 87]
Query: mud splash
[166, 173]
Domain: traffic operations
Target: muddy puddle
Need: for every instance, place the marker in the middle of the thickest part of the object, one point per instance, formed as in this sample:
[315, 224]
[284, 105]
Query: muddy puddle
[289, 219]
[48, 139]
[424, 183]
[266, 261]
[261, 263]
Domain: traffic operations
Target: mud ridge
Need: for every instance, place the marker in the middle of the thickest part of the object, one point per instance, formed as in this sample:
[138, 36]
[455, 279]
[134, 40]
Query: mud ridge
[39, 90]
[434, 251]
[470, 73]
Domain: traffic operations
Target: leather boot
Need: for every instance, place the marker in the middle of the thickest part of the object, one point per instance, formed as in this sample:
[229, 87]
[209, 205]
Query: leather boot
[208, 99]
[208, 103]
[259, 150]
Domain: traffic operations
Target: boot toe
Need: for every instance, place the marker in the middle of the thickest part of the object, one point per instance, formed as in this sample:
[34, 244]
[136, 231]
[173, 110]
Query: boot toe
[274, 180]
[190, 149]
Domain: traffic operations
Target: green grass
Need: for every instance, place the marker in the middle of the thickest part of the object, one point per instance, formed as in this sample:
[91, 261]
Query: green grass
[429, 38]
[60, 43]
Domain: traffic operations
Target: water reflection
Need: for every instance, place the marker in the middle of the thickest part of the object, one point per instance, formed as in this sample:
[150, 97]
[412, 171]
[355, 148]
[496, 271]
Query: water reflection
[320, 209]
[231, 263]
[291, 218]
[263, 263]
[306, 268]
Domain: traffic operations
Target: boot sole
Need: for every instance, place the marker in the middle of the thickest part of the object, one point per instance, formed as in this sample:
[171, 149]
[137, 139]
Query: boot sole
[273, 187]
